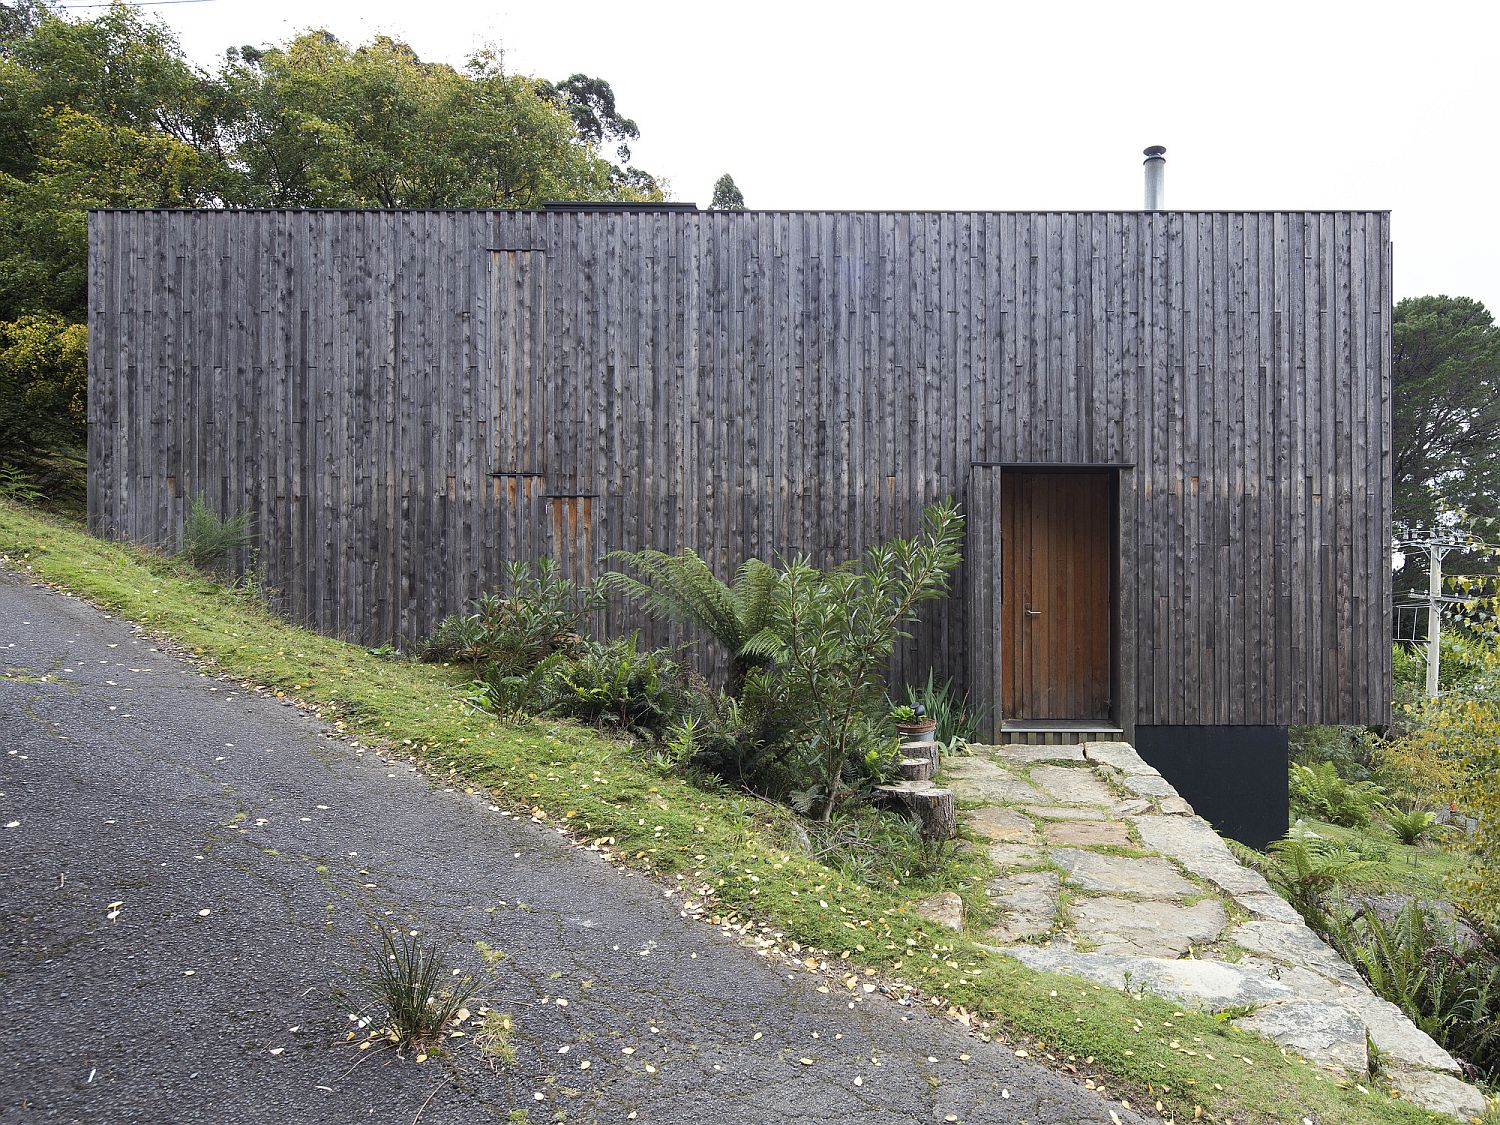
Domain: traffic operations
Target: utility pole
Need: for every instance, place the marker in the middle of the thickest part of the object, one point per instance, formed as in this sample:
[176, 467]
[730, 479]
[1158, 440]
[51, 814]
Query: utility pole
[1434, 614]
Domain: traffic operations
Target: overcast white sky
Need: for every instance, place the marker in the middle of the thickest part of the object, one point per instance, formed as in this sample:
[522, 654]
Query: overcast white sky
[936, 105]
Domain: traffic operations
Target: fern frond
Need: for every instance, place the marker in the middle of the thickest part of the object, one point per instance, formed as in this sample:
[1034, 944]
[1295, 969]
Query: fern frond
[754, 595]
[681, 588]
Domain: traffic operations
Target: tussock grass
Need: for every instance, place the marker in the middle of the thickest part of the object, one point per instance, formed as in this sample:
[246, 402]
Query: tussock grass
[412, 983]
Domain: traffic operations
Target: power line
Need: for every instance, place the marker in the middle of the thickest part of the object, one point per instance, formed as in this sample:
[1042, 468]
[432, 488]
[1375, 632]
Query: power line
[1450, 542]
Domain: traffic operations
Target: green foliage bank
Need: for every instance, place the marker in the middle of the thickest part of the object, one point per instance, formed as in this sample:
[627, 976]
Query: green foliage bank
[106, 111]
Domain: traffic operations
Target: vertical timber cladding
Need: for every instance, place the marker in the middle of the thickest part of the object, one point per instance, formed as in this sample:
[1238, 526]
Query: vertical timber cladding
[763, 383]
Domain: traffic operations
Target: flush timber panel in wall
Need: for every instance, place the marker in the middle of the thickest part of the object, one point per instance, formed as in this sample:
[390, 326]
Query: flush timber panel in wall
[403, 400]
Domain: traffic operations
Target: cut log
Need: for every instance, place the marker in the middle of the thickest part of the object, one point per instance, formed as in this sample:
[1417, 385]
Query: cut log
[898, 795]
[932, 807]
[916, 769]
[937, 812]
[921, 748]
[900, 790]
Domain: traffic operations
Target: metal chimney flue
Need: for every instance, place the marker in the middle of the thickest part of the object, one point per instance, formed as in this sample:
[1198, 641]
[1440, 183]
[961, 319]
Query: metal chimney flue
[1156, 171]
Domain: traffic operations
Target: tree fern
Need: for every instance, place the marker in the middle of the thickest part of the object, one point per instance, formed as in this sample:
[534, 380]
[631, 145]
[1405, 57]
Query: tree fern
[683, 588]
[1306, 870]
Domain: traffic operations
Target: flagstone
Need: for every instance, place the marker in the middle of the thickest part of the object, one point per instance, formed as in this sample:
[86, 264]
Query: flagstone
[1329, 1034]
[1089, 833]
[1062, 812]
[1153, 929]
[1095, 871]
[1013, 855]
[1027, 905]
[1072, 786]
[1022, 755]
[1000, 825]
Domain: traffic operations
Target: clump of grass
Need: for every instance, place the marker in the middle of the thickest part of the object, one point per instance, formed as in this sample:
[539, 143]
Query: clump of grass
[887, 851]
[207, 538]
[418, 991]
[493, 1038]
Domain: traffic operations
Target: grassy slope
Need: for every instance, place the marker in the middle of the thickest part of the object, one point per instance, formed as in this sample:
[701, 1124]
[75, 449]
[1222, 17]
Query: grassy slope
[1393, 866]
[1141, 1047]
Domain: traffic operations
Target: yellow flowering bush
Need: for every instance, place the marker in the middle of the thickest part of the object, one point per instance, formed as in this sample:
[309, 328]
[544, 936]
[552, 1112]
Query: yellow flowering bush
[1452, 752]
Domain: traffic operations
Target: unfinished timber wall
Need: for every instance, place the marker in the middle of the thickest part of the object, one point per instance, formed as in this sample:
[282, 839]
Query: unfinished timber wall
[404, 400]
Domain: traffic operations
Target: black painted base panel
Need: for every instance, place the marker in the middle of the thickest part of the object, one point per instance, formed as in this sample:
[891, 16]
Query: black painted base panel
[1234, 777]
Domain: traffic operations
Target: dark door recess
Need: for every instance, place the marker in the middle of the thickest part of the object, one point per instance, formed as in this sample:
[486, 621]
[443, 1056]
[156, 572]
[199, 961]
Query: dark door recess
[1056, 548]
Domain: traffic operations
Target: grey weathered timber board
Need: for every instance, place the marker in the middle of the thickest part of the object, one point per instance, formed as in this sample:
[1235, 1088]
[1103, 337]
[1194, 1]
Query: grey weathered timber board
[405, 400]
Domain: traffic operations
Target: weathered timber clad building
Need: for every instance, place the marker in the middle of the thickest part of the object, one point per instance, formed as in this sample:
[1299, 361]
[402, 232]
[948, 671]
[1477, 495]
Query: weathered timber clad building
[1169, 430]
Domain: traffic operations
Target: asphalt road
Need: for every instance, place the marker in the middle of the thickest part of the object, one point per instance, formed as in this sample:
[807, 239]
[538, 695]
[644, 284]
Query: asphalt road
[254, 856]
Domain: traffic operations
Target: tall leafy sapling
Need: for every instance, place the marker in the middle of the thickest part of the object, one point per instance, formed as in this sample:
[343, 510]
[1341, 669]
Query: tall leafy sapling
[828, 643]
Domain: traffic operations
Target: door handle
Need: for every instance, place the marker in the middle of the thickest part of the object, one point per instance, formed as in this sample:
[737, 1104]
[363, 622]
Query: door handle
[1033, 612]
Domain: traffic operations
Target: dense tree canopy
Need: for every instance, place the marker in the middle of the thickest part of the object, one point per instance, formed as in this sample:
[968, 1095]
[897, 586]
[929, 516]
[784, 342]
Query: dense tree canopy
[727, 195]
[93, 113]
[107, 112]
[318, 124]
[1445, 411]
[1445, 427]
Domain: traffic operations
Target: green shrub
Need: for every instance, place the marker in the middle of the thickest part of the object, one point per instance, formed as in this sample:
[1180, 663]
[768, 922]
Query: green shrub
[515, 695]
[43, 386]
[510, 634]
[620, 686]
[1353, 751]
[880, 850]
[1318, 791]
[208, 539]
[1458, 671]
[1445, 982]
[721, 740]
[828, 641]
[1452, 752]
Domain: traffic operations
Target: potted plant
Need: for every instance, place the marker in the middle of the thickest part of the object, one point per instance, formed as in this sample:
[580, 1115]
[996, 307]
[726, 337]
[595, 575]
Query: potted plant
[911, 721]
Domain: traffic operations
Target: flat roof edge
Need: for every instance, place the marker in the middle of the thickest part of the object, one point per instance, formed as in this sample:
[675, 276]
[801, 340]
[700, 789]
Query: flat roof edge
[657, 210]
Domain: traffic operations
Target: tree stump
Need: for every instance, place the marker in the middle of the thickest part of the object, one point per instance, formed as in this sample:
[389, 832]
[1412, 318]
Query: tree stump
[921, 748]
[937, 812]
[933, 808]
[916, 769]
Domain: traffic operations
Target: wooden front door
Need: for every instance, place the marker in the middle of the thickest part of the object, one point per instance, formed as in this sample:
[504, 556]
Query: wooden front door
[1057, 550]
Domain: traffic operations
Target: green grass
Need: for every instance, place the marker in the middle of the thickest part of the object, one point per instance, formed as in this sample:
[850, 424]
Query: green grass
[1423, 869]
[738, 848]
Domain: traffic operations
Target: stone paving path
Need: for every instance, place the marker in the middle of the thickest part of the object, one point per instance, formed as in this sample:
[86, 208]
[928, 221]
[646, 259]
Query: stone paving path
[1106, 873]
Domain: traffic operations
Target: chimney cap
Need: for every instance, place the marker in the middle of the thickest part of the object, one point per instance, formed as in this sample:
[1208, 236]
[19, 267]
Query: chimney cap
[1156, 152]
